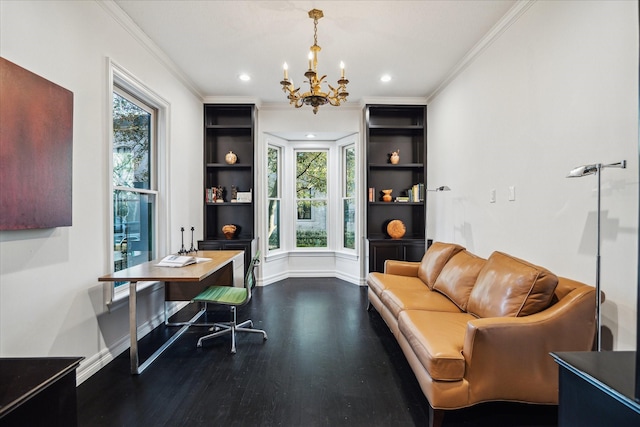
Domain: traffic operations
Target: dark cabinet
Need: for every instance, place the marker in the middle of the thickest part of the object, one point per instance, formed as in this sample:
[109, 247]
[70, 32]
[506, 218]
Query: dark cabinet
[229, 159]
[405, 250]
[229, 245]
[400, 129]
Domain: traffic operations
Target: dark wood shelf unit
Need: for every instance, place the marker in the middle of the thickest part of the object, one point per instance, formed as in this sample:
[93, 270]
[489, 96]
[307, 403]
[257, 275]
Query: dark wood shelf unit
[229, 127]
[390, 128]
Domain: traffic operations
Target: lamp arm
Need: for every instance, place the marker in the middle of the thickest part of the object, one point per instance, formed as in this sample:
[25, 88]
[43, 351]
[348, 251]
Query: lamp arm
[621, 164]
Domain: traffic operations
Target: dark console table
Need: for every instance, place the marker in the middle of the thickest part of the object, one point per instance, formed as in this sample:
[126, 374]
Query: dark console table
[597, 389]
[38, 391]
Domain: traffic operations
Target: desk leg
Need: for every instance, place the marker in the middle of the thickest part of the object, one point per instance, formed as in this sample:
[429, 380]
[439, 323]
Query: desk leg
[133, 327]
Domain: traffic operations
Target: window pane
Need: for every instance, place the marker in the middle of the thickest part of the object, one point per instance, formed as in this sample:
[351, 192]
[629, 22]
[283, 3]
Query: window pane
[131, 139]
[311, 203]
[350, 171]
[132, 229]
[272, 172]
[313, 233]
[274, 224]
[311, 174]
[349, 226]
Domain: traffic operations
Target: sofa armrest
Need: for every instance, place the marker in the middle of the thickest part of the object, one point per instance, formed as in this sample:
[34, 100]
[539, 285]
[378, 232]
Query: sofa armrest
[401, 268]
[508, 358]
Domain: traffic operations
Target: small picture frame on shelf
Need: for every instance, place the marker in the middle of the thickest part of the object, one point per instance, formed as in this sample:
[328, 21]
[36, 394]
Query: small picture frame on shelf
[244, 197]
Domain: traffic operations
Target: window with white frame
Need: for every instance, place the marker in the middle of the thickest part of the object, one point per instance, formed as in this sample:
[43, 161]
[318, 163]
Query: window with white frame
[134, 179]
[274, 155]
[348, 155]
[311, 198]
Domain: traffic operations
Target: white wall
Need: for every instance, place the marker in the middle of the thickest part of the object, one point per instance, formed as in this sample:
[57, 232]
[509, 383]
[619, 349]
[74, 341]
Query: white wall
[557, 89]
[51, 303]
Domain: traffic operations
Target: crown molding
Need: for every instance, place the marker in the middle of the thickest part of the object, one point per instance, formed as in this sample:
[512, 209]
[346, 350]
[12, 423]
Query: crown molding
[132, 28]
[232, 100]
[494, 33]
[418, 100]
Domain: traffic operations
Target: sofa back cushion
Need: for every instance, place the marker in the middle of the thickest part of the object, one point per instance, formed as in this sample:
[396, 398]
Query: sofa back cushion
[434, 260]
[458, 276]
[508, 286]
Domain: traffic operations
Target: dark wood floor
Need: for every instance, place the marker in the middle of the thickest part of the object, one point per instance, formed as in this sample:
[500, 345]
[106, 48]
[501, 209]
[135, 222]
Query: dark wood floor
[327, 362]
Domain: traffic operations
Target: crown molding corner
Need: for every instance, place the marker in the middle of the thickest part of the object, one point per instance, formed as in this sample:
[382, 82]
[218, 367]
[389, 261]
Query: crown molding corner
[119, 15]
[494, 33]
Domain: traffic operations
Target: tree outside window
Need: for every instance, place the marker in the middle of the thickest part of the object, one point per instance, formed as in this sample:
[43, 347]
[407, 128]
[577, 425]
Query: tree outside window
[311, 199]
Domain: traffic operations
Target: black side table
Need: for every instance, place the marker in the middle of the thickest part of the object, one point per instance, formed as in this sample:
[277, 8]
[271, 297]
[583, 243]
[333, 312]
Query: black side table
[38, 391]
[597, 389]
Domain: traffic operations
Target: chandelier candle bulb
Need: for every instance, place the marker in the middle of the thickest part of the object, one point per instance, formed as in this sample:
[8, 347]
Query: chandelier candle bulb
[286, 71]
[342, 69]
[310, 60]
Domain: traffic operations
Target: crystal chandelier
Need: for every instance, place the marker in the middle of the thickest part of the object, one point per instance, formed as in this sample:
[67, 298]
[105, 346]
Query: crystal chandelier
[315, 96]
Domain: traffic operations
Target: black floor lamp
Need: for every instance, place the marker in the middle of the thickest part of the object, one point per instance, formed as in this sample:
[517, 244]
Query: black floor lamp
[596, 169]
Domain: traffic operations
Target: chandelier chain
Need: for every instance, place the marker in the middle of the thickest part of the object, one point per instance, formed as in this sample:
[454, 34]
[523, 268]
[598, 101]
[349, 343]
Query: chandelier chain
[315, 31]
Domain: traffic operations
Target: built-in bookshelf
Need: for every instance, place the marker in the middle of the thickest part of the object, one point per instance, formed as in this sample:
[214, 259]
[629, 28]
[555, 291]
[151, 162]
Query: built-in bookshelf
[400, 129]
[228, 197]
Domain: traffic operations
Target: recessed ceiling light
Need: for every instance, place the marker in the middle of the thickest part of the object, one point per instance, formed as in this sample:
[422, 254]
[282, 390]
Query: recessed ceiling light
[385, 78]
[310, 135]
[244, 77]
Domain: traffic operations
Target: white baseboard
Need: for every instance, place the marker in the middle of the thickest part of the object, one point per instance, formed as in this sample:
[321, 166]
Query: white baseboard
[93, 364]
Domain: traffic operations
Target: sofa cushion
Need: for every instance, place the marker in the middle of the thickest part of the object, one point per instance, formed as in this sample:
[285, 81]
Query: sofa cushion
[437, 339]
[398, 299]
[378, 282]
[508, 286]
[458, 277]
[434, 260]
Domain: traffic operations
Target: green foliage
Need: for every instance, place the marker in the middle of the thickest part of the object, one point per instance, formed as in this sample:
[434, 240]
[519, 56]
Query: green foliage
[131, 136]
[311, 239]
[311, 174]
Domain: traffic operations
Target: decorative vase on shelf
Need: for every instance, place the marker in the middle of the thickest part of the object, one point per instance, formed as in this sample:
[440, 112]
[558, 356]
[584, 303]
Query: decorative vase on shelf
[396, 229]
[229, 231]
[386, 195]
[230, 158]
[395, 157]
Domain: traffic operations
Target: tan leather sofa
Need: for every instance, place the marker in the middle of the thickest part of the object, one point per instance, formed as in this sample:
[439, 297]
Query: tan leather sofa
[476, 330]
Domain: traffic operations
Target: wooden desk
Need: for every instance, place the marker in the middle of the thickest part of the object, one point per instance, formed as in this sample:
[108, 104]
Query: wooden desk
[191, 277]
[38, 391]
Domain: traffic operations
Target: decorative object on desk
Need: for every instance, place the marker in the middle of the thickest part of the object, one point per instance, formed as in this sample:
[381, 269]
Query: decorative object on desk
[182, 250]
[596, 169]
[192, 248]
[180, 261]
[396, 229]
[394, 158]
[230, 158]
[229, 231]
[386, 195]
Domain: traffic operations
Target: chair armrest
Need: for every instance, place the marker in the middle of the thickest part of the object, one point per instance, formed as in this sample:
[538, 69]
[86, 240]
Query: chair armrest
[401, 268]
[508, 357]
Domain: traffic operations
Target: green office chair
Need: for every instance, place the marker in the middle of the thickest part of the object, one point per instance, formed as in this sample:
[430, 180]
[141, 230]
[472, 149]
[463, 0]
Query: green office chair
[232, 297]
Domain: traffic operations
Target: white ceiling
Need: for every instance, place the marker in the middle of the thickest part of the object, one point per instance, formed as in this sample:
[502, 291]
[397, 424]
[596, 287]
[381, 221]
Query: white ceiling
[417, 42]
